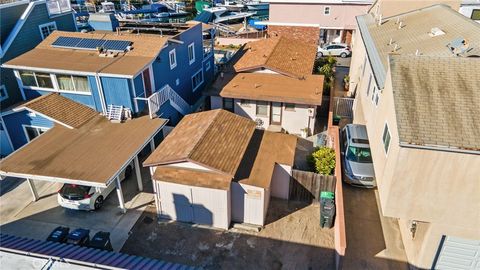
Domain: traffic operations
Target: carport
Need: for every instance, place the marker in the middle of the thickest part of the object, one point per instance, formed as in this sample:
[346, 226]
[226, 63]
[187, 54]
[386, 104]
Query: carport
[93, 153]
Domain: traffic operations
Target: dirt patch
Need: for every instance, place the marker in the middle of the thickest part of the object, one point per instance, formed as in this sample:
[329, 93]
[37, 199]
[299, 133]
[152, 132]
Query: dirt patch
[292, 239]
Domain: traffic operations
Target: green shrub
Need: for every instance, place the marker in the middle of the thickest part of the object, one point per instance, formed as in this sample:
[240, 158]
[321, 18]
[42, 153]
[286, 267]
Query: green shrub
[322, 160]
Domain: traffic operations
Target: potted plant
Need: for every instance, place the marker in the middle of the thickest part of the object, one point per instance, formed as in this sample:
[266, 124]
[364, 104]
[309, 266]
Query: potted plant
[346, 82]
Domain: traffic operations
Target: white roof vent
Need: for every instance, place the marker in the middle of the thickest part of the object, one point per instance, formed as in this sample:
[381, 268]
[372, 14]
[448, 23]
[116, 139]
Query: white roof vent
[435, 31]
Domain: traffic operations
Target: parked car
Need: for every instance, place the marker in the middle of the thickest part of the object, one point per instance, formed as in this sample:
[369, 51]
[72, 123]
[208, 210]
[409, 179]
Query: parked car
[341, 49]
[356, 156]
[80, 197]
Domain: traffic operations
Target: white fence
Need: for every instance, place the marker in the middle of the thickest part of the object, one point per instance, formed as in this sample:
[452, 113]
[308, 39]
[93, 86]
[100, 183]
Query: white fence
[157, 99]
[58, 6]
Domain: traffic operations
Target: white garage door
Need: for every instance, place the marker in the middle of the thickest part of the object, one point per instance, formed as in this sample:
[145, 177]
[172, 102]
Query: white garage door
[459, 254]
[194, 204]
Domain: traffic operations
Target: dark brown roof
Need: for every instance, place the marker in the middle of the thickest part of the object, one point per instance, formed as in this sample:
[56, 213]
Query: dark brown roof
[92, 153]
[215, 139]
[275, 87]
[61, 109]
[192, 177]
[286, 56]
[264, 151]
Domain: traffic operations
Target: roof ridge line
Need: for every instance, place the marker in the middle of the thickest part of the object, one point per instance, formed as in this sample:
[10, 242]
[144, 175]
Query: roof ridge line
[203, 135]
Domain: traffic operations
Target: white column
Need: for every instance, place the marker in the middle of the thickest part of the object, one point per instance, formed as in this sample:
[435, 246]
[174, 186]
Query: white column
[33, 189]
[139, 175]
[152, 145]
[120, 194]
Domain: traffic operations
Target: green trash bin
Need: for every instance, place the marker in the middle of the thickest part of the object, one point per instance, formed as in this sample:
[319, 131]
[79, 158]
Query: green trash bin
[327, 209]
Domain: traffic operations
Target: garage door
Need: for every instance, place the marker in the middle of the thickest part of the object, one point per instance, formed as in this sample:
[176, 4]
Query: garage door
[457, 253]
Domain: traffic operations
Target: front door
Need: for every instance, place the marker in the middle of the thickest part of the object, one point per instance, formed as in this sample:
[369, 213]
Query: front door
[276, 113]
[147, 83]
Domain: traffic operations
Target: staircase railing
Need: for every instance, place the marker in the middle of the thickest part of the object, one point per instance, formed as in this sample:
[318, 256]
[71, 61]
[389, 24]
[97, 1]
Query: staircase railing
[157, 99]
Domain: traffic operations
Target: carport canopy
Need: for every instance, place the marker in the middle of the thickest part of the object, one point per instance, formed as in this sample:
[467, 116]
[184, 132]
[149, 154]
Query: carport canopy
[93, 154]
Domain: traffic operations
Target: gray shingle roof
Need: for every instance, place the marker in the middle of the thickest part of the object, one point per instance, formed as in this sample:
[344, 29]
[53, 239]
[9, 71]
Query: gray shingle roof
[414, 35]
[437, 100]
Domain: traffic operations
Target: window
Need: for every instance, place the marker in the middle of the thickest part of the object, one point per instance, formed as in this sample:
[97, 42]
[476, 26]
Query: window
[386, 138]
[191, 53]
[262, 108]
[207, 66]
[369, 84]
[47, 28]
[173, 59]
[197, 80]
[36, 79]
[326, 11]
[73, 83]
[245, 102]
[32, 132]
[228, 104]
[289, 107]
[3, 93]
[359, 154]
[475, 15]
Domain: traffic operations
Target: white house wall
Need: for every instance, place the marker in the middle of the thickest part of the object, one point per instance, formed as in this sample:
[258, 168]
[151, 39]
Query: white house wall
[280, 185]
[248, 204]
[189, 165]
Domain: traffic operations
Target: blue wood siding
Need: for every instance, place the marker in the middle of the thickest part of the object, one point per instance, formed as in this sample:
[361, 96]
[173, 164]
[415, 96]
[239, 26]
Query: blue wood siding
[14, 123]
[117, 91]
[139, 92]
[183, 71]
[8, 19]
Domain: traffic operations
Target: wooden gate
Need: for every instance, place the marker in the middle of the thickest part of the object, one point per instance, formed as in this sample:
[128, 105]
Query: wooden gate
[306, 186]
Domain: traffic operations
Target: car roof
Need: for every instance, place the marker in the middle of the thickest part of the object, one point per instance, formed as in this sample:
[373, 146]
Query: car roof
[357, 135]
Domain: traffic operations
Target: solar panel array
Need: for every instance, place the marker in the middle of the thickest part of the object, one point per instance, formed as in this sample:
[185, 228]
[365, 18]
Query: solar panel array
[91, 43]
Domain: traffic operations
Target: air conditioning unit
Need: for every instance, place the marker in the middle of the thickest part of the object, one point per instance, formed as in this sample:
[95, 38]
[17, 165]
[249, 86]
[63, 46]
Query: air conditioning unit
[311, 112]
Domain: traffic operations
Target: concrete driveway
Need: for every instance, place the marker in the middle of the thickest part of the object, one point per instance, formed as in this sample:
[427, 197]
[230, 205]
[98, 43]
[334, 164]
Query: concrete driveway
[373, 241]
[22, 217]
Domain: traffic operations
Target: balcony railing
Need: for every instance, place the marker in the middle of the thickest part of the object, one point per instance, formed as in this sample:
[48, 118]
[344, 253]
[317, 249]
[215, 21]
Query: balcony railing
[56, 7]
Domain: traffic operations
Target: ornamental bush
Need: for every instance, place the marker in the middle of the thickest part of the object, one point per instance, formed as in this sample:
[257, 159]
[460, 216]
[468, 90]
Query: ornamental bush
[322, 160]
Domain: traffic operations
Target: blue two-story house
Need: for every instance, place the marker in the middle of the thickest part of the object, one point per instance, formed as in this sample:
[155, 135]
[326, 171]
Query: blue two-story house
[23, 25]
[138, 73]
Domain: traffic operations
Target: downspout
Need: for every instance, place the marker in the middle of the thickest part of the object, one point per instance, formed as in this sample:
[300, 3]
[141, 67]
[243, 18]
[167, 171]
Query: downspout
[100, 91]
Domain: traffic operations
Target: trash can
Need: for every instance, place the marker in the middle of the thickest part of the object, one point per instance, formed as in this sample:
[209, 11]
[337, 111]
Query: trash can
[59, 235]
[327, 209]
[79, 237]
[101, 240]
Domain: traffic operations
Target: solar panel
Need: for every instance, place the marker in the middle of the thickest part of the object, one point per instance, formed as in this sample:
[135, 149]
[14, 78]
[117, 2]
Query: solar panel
[66, 41]
[116, 45]
[90, 43]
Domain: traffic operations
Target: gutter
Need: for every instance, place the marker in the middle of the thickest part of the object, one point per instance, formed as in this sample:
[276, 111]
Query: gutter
[440, 148]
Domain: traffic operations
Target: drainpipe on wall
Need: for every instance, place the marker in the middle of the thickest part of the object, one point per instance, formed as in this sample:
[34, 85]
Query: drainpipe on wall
[102, 95]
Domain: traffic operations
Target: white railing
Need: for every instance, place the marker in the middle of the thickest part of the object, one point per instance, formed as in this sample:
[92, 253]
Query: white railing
[157, 99]
[343, 107]
[56, 7]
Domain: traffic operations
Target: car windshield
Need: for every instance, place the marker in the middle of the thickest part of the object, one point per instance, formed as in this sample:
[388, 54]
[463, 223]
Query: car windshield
[74, 192]
[359, 154]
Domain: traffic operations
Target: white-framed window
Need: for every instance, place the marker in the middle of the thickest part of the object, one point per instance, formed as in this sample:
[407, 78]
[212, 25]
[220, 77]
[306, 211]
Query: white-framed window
[73, 83]
[32, 132]
[191, 53]
[326, 10]
[289, 107]
[386, 138]
[369, 84]
[47, 28]
[244, 102]
[36, 79]
[3, 92]
[207, 66]
[262, 108]
[197, 80]
[172, 56]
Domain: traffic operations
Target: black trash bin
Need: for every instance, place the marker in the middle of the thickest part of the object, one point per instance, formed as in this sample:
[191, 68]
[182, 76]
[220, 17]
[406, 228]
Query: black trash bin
[79, 237]
[327, 209]
[59, 235]
[101, 240]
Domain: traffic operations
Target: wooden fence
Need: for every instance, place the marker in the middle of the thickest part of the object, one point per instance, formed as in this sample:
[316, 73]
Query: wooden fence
[306, 186]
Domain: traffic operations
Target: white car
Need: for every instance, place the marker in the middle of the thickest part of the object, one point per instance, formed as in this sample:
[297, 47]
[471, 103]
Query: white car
[80, 197]
[341, 49]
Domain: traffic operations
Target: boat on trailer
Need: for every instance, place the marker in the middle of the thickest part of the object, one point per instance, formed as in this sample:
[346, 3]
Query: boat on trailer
[222, 15]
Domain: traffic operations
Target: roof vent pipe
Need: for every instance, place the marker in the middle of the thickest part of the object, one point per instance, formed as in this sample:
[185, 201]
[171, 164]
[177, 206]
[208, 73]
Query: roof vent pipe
[398, 20]
[400, 25]
[390, 42]
[417, 53]
[396, 47]
[380, 20]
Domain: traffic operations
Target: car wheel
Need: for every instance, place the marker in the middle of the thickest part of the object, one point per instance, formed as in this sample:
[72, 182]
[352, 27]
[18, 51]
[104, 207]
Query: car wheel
[128, 172]
[343, 55]
[98, 202]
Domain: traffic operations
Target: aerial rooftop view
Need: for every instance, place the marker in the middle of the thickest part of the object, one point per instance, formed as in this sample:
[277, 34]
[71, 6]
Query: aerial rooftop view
[246, 134]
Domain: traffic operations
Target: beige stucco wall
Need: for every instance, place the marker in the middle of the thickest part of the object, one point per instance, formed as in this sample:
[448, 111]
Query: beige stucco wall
[394, 7]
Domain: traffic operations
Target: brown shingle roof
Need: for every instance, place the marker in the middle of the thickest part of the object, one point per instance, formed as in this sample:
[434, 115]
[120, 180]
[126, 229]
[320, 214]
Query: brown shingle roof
[215, 139]
[93, 153]
[61, 109]
[437, 100]
[275, 87]
[145, 50]
[285, 56]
